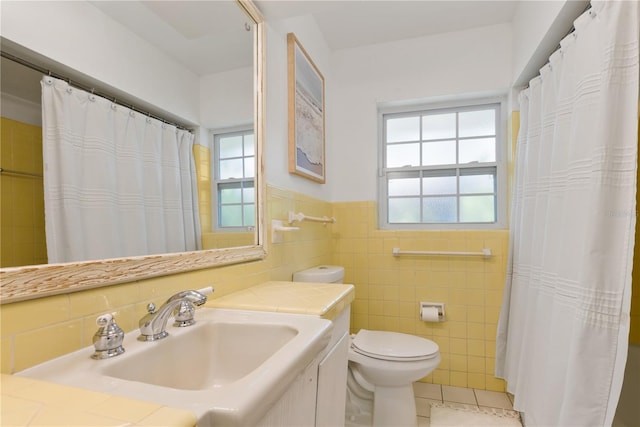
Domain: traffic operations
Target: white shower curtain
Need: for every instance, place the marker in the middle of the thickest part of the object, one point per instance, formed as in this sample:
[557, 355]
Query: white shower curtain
[116, 183]
[563, 330]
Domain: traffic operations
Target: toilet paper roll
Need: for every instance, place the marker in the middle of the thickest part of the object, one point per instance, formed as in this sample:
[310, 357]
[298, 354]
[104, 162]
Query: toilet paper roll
[429, 314]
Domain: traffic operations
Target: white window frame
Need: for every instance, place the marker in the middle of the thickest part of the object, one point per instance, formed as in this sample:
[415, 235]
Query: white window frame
[500, 164]
[215, 178]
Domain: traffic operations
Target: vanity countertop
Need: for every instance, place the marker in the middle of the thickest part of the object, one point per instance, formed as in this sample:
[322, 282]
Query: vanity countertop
[29, 402]
[321, 299]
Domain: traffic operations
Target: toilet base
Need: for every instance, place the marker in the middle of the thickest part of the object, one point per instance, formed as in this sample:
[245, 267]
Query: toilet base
[394, 407]
[359, 404]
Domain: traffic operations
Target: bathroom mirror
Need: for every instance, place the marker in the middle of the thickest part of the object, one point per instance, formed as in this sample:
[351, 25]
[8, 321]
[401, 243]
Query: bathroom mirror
[34, 281]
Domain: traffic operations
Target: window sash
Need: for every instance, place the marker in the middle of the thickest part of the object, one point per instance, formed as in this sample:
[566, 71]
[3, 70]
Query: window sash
[242, 209]
[470, 203]
[456, 195]
[239, 204]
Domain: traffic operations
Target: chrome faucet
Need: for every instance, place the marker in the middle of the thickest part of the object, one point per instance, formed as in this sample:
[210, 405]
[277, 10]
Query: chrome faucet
[108, 339]
[153, 325]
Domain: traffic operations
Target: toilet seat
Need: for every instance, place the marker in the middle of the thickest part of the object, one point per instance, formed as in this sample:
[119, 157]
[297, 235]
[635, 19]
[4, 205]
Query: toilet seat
[393, 346]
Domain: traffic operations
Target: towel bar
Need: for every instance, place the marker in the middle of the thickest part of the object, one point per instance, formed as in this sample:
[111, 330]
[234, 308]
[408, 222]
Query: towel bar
[486, 253]
[302, 217]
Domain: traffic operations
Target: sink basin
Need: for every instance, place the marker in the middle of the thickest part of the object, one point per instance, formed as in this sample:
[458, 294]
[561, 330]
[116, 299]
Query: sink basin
[237, 350]
[228, 369]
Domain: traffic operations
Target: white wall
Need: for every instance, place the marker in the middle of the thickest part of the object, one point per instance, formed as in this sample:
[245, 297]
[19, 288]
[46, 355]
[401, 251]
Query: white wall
[435, 67]
[488, 60]
[80, 36]
[21, 110]
[276, 134]
[444, 65]
[226, 100]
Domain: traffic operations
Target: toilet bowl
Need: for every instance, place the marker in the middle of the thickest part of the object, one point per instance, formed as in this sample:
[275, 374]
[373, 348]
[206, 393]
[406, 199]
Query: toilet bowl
[382, 367]
[391, 362]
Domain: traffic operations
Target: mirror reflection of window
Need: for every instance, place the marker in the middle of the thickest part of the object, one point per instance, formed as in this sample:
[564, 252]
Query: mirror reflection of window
[234, 175]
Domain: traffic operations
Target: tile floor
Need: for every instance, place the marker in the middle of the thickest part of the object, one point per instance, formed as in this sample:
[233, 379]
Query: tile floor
[455, 396]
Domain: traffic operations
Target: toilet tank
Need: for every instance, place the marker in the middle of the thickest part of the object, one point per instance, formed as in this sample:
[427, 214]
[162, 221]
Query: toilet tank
[320, 274]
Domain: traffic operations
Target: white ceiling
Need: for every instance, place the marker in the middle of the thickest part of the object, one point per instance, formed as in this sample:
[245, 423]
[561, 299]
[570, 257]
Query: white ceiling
[205, 36]
[352, 23]
[186, 29]
[209, 36]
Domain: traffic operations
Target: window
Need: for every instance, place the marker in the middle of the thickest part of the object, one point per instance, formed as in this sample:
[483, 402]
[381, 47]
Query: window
[234, 188]
[442, 168]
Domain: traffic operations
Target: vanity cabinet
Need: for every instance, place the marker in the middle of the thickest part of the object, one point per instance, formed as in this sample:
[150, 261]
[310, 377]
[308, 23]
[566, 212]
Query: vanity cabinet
[317, 395]
[297, 406]
[332, 375]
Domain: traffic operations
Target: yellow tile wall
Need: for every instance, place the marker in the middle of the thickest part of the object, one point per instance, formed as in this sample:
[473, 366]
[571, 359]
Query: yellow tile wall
[389, 289]
[32, 332]
[202, 159]
[513, 125]
[226, 240]
[634, 332]
[21, 219]
[309, 246]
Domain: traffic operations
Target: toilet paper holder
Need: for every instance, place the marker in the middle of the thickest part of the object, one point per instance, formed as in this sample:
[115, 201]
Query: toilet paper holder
[438, 305]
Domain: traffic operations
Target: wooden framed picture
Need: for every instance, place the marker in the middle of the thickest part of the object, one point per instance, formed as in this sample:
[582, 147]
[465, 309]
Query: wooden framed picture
[306, 113]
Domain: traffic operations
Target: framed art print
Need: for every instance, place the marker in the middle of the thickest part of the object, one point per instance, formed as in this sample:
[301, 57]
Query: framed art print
[306, 113]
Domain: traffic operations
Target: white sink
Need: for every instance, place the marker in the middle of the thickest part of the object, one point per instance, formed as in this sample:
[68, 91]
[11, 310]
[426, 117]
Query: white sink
[217, 353]
[228, 369]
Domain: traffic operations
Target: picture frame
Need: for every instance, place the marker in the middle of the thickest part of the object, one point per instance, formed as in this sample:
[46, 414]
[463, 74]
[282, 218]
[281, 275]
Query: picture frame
[306, 114]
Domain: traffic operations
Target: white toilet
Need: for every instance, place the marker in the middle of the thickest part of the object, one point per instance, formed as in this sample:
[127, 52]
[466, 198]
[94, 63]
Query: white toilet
[382, 367]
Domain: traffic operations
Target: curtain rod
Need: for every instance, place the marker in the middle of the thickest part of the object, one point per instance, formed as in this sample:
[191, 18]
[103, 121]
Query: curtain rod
[559, 46]
[21, 173]
[573, 28]
[81, 86]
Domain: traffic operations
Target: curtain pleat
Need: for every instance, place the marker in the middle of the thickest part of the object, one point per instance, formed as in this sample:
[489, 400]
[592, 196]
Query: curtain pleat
[117, 183]
[563, 330]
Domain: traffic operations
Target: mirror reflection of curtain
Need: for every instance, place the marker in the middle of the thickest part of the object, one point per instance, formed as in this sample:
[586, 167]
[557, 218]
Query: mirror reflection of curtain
[117, 183]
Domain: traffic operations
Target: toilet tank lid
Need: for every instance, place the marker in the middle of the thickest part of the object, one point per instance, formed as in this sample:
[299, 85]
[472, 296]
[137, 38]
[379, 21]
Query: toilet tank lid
[320, 274]
[394, 344]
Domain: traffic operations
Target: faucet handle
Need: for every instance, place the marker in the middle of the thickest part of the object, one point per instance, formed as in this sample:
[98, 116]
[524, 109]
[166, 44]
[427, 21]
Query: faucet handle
[153, 324]
[107, 340]
[185, 313]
